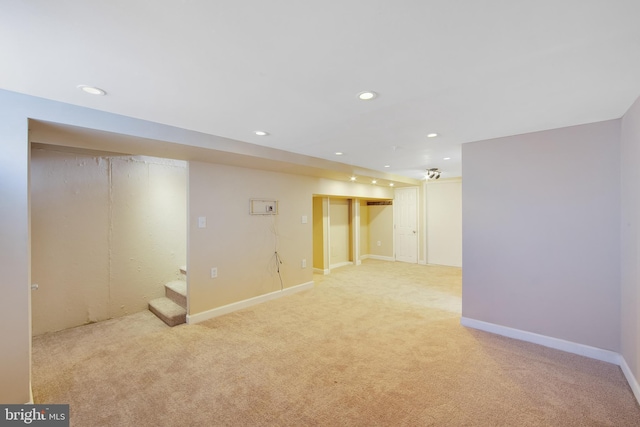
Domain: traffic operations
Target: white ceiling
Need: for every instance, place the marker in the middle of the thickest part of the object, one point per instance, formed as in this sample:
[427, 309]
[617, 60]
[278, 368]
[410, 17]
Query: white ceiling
[469, 70]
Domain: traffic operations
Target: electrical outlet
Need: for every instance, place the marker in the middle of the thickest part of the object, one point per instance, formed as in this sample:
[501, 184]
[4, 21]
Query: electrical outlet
[214, 272]
[379, 243]
[304, 263]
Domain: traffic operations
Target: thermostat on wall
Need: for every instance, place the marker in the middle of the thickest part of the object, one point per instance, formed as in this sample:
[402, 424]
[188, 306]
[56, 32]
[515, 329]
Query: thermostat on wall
[263, 207]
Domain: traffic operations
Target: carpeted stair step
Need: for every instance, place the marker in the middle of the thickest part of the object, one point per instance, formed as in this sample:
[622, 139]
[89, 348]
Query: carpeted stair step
[168, 311]
[176, 291]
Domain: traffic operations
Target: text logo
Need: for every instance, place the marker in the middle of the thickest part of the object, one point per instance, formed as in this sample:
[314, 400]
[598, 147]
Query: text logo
[34, 415]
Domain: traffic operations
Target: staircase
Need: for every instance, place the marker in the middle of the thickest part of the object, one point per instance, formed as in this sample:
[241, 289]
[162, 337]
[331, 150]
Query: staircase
[172, 308]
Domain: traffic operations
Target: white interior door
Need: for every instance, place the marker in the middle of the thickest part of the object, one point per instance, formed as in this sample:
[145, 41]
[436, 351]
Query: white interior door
[406, 224]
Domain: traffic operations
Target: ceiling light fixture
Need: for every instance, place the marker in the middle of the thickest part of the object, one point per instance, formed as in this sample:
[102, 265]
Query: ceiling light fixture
[367, 95]
[261, 133]
[339, 153]
[433, 173]
[374, 181]
[447, 158]
[391, 184]
[92, 90]
[387, 166]
[432, 135]
[353, 178]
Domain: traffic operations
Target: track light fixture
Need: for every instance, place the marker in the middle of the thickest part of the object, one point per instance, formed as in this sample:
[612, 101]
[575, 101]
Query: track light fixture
[433, 173]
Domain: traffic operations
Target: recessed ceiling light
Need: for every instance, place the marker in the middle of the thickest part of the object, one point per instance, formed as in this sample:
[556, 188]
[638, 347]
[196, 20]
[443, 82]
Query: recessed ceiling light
[391, 184]
[367, 95]
[387, 166]
[374, 181]
[261, 133]
[447, 158]
[432, 135]
[339, 153]
[353, 178]
[92, 90]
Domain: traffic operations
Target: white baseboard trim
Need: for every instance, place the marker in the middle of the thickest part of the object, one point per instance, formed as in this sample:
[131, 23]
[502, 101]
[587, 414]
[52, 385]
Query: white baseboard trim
[633, 382]
[321, 271]
[378, 257]
[340, 264]
[558, 344]
[230, 308]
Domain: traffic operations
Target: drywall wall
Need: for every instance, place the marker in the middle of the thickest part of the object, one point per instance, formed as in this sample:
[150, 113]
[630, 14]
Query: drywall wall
[339, 232]
[15, 305]
[352, 190]
[354, 235]
[630, 237]
[364, 229]
[444, 222]
[107, 233]
[242, 246]
[320, 234]
[541, 233]
[422, 223]
[380, 231]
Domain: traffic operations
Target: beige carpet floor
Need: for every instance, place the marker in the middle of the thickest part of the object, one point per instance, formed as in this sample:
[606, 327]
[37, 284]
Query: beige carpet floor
[375, 345]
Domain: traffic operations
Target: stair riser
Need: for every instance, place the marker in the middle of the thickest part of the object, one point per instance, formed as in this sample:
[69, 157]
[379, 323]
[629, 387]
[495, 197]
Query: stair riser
[179, 299]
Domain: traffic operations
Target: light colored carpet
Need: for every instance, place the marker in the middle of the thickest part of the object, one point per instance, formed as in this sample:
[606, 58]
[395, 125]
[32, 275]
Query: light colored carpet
[378, 344]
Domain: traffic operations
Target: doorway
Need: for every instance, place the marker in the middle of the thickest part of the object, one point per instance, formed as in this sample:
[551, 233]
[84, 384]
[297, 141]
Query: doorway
[333, 233]
[348, 230]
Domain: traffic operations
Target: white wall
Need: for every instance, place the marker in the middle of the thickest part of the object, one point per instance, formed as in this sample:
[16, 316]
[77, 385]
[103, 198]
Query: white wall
[364, 229]
[541, 233]
[444, 222]
[321, 234]
[630, 232]
[107, 232]
[380, 230]
[15, 307]
[242, 246]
